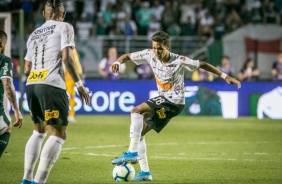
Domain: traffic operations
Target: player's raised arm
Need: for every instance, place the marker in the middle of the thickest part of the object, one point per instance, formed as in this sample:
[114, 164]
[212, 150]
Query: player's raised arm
[122, 59]
[230, 80]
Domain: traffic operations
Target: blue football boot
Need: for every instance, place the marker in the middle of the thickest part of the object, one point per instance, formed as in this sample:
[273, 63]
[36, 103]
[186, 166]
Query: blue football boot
[127, 157]
[143, 176]
[25, 182]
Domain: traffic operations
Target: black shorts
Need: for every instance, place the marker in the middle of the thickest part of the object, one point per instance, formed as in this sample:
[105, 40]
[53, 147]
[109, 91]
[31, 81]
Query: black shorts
[163, 110]
[48, 103]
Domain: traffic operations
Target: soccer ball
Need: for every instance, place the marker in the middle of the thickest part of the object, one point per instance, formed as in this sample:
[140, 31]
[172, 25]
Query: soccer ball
[124, 172]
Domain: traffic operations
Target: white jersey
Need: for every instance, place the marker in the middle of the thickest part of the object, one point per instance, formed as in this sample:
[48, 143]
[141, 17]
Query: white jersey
[270, 104]
[44, 48]
[169, 76]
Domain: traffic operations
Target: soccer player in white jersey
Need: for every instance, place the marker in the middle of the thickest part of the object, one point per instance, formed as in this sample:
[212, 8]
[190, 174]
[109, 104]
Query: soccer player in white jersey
[7, 90]
[169, 69]
[48, 48]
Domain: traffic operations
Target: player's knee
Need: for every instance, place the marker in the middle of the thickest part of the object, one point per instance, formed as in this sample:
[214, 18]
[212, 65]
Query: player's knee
[64, 136]
[136, 110]
[40, 127]
[61, 134]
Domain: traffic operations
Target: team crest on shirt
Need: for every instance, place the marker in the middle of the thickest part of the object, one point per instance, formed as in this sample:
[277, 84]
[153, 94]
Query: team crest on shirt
[161, 113]
[177, 89]
[183, 58]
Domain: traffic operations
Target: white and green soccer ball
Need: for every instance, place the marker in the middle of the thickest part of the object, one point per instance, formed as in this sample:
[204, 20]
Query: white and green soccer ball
[123, 172]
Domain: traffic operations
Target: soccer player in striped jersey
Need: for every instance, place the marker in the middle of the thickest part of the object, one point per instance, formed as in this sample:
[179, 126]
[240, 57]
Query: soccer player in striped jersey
[169, 69]
[7, 91]
[48, 48]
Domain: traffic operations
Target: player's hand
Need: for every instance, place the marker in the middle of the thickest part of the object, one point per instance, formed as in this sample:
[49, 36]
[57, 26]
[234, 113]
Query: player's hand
[231, 80]
[114, 68]
[19, 119]
[84, 94]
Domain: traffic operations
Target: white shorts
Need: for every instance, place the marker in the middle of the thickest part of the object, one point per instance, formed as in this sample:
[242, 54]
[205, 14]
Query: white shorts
[4, 123]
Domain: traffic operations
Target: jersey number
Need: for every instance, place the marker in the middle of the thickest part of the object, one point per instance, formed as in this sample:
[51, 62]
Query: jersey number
[158, 100]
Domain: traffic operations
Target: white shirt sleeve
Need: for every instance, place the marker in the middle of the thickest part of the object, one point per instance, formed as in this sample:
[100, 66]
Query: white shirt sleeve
[141, 57]
[122, 68]
[28, 54]
[189, 64]
[67, 36]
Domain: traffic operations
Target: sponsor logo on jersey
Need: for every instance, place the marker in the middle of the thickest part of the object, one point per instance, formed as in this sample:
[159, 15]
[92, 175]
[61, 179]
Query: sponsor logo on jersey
[161, 113]
[183, 58]
[52, 114]
[144, 54]
[5, 69]
[43, 32]
[37, 76]
[45, 29]
[165, 86]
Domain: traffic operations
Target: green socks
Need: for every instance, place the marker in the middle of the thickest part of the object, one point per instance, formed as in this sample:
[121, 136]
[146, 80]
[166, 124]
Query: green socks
[4, 140]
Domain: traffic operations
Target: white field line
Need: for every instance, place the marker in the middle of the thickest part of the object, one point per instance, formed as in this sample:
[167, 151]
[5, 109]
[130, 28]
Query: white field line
[185, 158]
[115, 146]
[220, 154]
[184, 155]
[170, 144]
[213, 159]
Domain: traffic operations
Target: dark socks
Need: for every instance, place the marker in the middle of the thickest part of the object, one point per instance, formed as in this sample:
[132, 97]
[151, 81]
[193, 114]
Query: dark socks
[4, 140]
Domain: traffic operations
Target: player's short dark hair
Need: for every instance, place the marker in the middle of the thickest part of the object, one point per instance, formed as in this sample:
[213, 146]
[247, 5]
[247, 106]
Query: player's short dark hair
[161, 37]
[3, 35]
[225, 57]
[54, 3]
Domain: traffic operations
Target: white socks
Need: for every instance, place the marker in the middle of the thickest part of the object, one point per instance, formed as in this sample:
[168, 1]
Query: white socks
[49, 155]
[136, 127]
[143, 161]
[32, 151]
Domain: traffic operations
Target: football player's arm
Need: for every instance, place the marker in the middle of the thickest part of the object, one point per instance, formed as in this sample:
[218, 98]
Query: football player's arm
[78, 64]
[27, 68]
[122, 59]
[10, 93]
[208, 67]
[70, 67]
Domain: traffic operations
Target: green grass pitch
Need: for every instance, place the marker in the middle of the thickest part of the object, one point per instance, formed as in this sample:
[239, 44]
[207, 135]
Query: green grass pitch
[188, 150]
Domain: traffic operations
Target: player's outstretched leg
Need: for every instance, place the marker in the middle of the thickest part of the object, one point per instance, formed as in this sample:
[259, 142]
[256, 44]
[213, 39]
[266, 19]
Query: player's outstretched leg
[32, 151]
[145, 174]
[136, 127]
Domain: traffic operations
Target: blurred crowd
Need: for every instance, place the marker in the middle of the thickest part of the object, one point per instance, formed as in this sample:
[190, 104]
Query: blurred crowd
[208, 18]
[249, 72]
